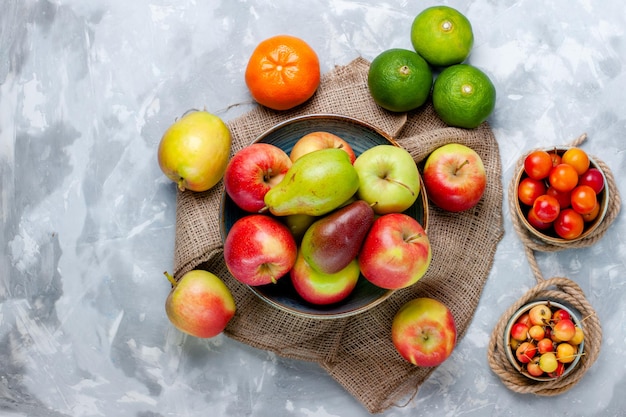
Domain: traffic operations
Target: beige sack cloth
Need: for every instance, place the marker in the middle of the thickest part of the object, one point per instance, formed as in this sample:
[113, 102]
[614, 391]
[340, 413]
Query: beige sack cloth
[357, 351]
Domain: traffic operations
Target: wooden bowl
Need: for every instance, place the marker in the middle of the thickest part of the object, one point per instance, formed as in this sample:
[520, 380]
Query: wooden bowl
[550, 235]
[361, 136]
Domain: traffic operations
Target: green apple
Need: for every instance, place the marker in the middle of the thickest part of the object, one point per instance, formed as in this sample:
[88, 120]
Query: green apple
[199, 304]
[194, 151]
[388, 178]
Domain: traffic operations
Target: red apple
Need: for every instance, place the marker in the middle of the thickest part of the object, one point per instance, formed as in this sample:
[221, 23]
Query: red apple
[454, 177]
[423, 331]
[320, 140]
[199, 304]
[320, 288]
[396, 252]
[259, 250]
[252, 171]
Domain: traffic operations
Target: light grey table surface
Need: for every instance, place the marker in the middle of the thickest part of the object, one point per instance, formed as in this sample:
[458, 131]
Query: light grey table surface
[87, 219]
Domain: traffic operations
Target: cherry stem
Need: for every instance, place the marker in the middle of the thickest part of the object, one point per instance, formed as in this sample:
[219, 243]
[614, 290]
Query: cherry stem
[586, 317]
[170, 278]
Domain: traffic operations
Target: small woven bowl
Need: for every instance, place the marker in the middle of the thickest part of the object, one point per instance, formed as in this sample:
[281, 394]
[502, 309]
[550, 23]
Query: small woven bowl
[510, 352]
[550, 235]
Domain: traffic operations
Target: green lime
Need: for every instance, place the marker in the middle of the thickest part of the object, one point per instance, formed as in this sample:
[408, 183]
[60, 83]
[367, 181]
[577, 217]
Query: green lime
[399, 80]
[442, 36]
[463, 96]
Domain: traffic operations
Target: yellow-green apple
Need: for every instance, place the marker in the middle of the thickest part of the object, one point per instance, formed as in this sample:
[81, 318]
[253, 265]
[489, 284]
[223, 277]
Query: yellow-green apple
[194, 151]
[252, 171]
[388, 178]
[259, 250]
[320, 140]
[320, 288]
[423, 331]
[396, 252]
[199, 304]
[454, 177]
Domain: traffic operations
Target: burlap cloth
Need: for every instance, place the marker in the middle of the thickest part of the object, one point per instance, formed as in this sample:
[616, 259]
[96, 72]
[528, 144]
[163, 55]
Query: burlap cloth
[556, 288]
[357, 351]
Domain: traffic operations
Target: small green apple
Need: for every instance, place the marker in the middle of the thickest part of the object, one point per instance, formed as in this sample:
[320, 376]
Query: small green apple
[388, 178]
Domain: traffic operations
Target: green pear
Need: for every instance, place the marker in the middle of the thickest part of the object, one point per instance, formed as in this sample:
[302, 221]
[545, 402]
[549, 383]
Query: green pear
[316, 184]
[333, 241]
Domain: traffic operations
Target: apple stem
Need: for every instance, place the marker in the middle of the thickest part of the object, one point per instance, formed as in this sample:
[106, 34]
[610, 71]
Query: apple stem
[170, 278]
[461, 166]
[263, 210]
[401, 184]
[181, 184]
[413, 237]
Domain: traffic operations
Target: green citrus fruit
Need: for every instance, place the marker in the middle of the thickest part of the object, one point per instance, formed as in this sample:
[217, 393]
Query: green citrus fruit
[463, 96]
[399, 80]
[442, 36]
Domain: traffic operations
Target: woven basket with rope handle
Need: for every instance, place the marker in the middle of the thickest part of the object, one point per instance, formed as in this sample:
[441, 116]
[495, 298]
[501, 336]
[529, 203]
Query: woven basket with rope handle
[559, 288]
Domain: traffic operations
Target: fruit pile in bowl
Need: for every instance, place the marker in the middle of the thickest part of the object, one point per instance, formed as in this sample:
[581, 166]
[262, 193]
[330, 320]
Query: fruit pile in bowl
[544, 340]
[315, 209]
[561, 194]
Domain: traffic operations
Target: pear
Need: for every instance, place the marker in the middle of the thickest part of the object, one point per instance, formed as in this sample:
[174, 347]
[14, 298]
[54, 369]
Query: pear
[316, 184]
[334, 241]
